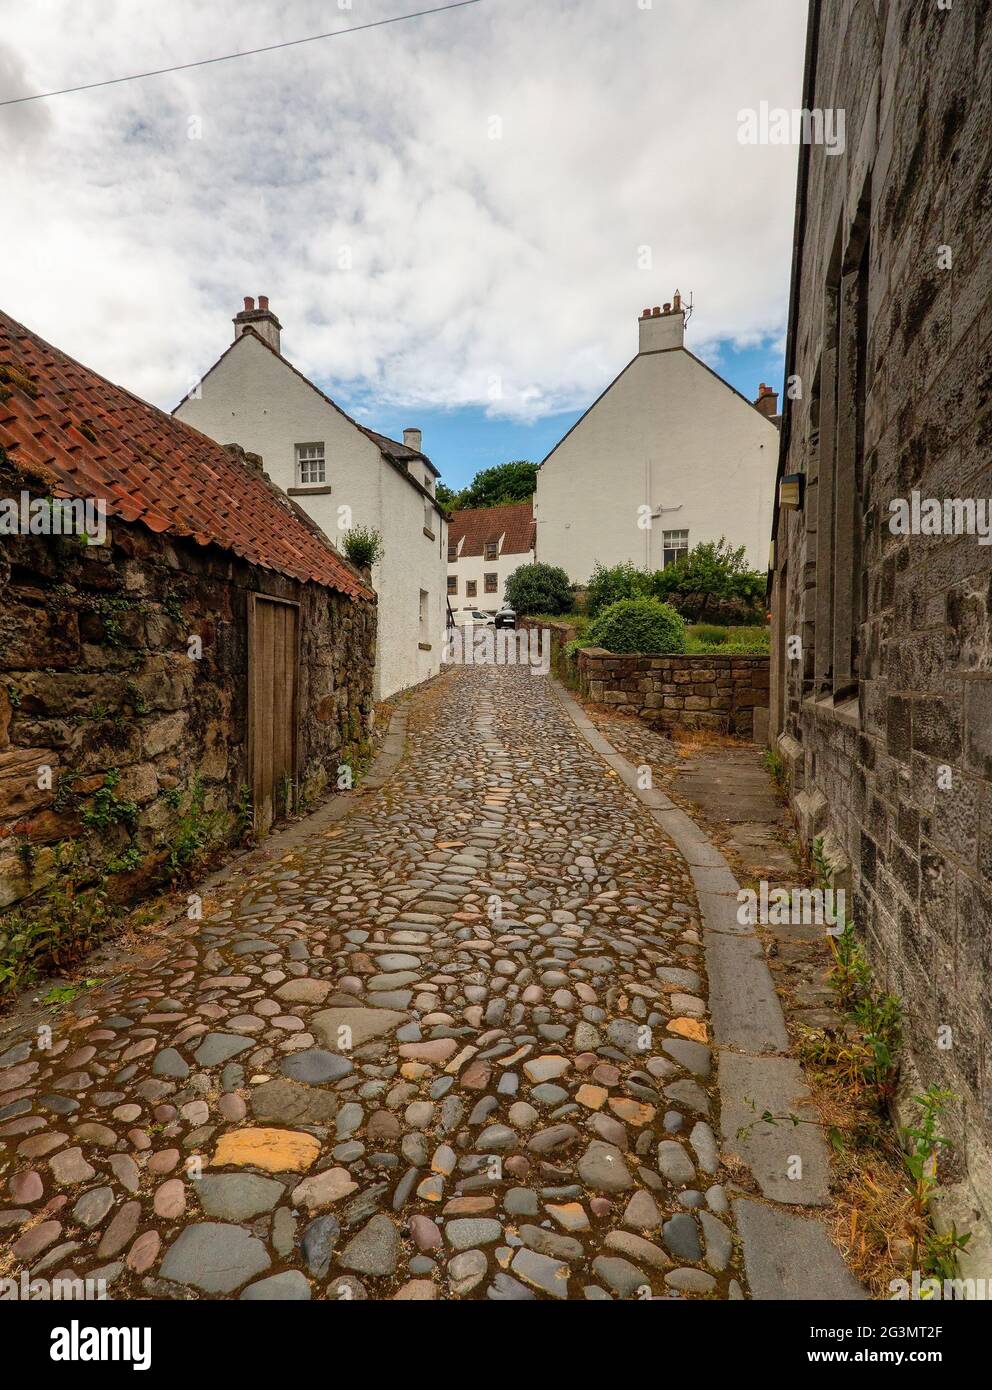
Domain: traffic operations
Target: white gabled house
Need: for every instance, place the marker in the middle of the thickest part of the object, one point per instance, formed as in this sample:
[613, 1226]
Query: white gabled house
[485, 546]
[343, 474]
[668, 456]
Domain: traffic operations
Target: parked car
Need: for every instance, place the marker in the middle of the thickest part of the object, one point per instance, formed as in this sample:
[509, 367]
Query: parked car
[472, 617]
[506, 617]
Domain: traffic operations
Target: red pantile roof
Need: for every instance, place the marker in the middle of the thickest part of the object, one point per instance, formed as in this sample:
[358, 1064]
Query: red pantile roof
[85, 437]
[477, 525]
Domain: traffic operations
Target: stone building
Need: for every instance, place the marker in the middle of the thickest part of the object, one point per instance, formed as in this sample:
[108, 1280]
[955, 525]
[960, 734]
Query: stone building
[881, 697]
[485, 546]
[343, 474]
[205, 664]
[669, 455]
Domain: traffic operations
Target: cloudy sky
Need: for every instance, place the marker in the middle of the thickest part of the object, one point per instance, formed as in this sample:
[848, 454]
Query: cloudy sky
[457, 218]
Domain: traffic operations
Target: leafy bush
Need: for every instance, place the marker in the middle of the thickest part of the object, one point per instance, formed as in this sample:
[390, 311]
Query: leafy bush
[611, 584]
[638, 625]
[712, 579]
[363, 546]
[539, 589]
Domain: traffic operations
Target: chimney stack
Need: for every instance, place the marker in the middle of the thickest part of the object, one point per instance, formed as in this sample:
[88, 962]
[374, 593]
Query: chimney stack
[262, 320]
[767, 401]
[662, 328]
[412, 439]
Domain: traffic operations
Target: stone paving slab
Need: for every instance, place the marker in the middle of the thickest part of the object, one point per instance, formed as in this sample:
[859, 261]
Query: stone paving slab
[791, 1257]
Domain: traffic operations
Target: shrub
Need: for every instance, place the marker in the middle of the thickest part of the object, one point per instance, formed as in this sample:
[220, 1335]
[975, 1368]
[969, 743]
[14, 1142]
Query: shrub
[539, 589]
[363, 546]
[611, 584]
[638, 625]
[713, 580]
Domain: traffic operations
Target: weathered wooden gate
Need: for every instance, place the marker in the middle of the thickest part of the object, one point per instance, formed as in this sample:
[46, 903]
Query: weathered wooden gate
[273, 678]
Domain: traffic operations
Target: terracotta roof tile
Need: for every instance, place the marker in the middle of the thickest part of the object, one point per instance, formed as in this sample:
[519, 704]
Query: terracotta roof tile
[85, 437]
[477, 525]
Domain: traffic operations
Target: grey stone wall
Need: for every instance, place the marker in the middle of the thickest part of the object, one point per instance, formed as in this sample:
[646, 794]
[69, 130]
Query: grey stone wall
[690, 692]
[96, 680]
[897, 772]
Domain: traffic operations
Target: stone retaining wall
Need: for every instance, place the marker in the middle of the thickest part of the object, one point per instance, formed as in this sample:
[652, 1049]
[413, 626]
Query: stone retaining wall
[690, 692]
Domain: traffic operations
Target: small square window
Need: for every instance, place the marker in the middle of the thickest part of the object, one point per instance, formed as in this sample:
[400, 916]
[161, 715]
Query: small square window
[310, 469]
[492, 583]
[452, 583]
[471, 588]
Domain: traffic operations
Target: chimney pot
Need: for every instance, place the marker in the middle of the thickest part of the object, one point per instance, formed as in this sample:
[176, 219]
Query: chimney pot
[656, 311]
[668, 308]
[677, 301]
[249, 303]
[767, 402]
[263, 301]
[646, 314]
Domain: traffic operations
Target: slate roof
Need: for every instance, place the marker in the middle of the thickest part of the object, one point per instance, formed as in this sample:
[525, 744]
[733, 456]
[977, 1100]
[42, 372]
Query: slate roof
[83, 436]
[476, 525]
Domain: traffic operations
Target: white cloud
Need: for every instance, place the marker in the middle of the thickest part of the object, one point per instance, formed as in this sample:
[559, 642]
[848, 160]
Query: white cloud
[475, 260]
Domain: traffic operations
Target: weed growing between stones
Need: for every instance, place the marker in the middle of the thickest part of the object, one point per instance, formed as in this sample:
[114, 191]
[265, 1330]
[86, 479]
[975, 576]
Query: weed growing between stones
[774, 765]
[195, 830]
[934, 1254]
[56, 931]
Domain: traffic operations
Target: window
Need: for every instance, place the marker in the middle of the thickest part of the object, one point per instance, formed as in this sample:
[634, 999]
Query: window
[452, 583]
[452, 551]
[471, 588]
[310, 464]
[492, 583]
[840, 593]
[492, 550]
[429, 518]
[424, 615]
[675, 544]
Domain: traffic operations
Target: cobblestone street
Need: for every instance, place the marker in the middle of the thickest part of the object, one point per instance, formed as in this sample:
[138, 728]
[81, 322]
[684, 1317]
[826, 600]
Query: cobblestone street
[454, 1045]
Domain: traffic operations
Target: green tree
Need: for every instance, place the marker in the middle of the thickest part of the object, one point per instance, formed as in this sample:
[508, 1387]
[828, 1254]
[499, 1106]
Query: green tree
[446, 499]
[506, 482]
[539, 589]
[493, 487]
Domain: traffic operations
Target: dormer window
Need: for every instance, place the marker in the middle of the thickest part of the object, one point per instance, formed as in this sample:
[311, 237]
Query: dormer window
[492, 550]
[452, 551]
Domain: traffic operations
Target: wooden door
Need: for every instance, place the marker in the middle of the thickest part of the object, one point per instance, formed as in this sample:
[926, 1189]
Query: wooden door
[273, 665]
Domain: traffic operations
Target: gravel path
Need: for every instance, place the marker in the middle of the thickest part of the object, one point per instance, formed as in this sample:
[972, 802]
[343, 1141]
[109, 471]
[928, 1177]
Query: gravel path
[453, 1046]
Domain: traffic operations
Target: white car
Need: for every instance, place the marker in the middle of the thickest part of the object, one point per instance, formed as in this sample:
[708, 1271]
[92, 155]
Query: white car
[472, 617]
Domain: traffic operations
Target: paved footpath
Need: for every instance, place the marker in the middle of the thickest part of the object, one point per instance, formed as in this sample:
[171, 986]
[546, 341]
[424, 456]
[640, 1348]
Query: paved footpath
[455, 1045]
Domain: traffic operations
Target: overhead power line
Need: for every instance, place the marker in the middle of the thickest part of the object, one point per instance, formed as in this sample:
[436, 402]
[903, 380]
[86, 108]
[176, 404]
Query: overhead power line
[248, 53]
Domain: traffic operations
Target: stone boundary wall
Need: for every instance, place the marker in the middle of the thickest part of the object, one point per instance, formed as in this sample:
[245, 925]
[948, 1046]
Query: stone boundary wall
[96, 682]
[689, 692]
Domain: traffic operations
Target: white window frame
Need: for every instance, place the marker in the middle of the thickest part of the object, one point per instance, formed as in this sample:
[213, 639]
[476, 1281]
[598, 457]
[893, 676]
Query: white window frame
[675, 541]
[311, 465]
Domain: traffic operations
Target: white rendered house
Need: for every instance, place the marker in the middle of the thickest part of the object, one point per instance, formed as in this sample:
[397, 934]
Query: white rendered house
[344, 475]
[485, 546]
[668, 456]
